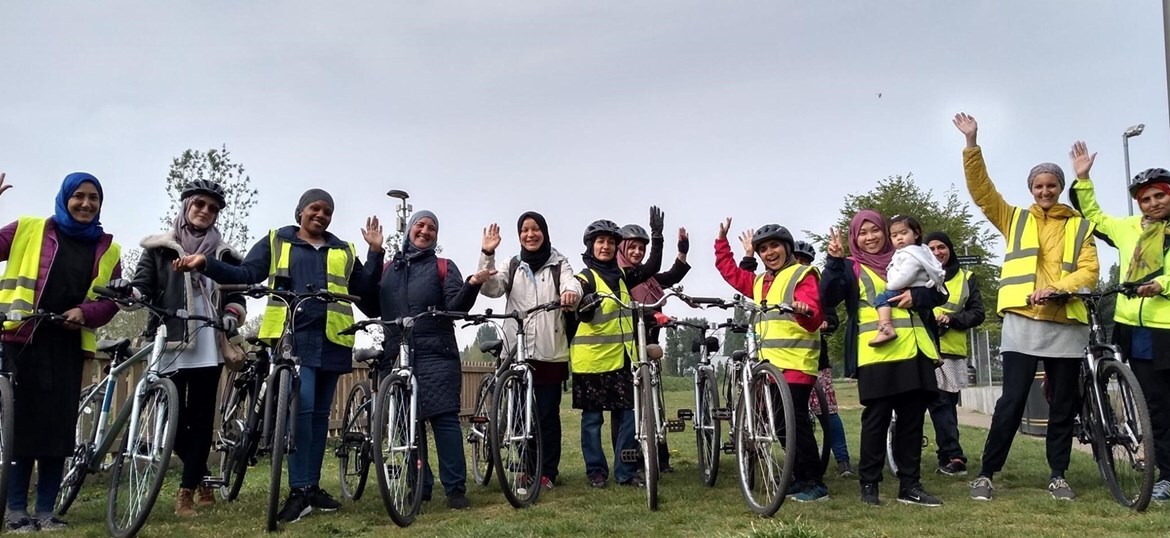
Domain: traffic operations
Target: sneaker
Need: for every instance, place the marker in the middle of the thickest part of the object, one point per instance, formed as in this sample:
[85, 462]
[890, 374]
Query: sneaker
[918, 497]
[295, 506]
[981, 489]
[794, 489]
[869, 493]
[546, 482]
[597, 480]
[955, 467]
[51, 523]
[458, 501]
[814, 492]
[22, 525]
[321, 499]
[844, 469]
[633, 481]
[1060, 490]
[1161, 491]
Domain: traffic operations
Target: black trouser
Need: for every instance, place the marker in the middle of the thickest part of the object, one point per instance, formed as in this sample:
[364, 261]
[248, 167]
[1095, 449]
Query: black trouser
[1156, 387]
[807, 466]
[945, 417]
[875, 425]
[1019, 370]
[548, 412]
[197, 390]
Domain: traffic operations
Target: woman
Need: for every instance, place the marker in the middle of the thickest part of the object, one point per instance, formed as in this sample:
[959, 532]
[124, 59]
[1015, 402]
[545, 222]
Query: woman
[537, 276]
[631, 252]
[963, 311]
[791, 343]
[1049, 248]
[194, 367]
[1143, 322]
[897, 377]
[300, 258]
[53, 263]
[603, 349]
[414, 281]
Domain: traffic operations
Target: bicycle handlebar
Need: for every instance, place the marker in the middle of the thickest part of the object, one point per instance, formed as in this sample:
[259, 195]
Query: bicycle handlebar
[518, 315]
[160, 312]
[1129, 289]
[17, 316]
[258, 291]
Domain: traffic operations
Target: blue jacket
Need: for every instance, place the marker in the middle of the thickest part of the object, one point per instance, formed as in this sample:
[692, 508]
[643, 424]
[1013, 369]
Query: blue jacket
[307, 267]
[409, 286]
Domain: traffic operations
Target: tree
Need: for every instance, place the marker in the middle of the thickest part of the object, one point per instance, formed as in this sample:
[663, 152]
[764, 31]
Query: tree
[733, 340]
[215, 165]
[677, 356]
[1108, 305]
[486, 333]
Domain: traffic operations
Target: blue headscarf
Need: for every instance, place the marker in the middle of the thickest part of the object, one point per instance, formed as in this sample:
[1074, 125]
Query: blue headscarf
[65, 222]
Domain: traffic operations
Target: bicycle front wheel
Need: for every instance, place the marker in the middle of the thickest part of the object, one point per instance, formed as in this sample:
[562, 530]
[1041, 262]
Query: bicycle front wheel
[139, 470]
[7, 427]
[515, 438]
[762, 445]
[232, 440]
[353, 456]
[707, 428]
[477, 432]
[279, 439]
[648, 442]
[1126, 446]
[399, 456]
[820, 421]
[85, 436]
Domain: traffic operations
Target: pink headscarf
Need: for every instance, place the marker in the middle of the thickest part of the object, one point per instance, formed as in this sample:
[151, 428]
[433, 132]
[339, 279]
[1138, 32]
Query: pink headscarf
[649, 291]
[876, 262]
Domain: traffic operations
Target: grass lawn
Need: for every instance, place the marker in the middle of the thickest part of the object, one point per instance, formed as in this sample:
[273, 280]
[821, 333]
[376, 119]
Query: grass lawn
[1022, 506]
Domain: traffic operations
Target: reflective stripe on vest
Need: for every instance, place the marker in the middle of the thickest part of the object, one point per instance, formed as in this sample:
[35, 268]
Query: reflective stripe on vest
[783, 342]
[338, 266]
[1018, 274]
[954, 342]
[18, 287]
[602, 345]
[912, 334]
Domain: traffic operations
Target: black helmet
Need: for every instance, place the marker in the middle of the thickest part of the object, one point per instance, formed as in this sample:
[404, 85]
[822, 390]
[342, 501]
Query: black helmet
[633, 231]
[601, 227]
[805, 249]
[206, 187]
[769, 232]
[1147, 177]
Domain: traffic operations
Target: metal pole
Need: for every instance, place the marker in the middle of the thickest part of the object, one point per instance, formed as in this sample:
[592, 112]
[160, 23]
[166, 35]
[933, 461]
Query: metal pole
[1166, 43]
[1125, 148]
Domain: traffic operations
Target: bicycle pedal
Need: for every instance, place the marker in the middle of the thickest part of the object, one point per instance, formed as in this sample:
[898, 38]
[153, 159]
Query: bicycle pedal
[631, 455]
[722, 413]
[686, 414]
[674, 426]
[477, 419]
[728, 448]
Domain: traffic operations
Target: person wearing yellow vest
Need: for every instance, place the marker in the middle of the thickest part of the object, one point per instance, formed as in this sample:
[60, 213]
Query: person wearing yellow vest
[296, 258]
[604, 347]
[963, 311]
[791, 343]
[1050, 248]
[1142, 328]
[52, 265]
[896, 377]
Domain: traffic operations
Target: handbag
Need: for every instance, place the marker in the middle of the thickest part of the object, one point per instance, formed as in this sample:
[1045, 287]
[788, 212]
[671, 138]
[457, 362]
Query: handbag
[234, 355]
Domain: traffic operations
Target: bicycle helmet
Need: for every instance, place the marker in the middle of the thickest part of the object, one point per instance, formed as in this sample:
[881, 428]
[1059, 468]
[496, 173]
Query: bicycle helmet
[633, 231]
[206, 187]
[769, 232]
[805, 249]
[599, 228]
[1147, 178]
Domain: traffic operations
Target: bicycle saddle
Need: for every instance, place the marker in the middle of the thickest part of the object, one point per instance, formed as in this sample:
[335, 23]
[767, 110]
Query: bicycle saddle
[493, 347]
[366, 354]
[116, 348]
[739, 355]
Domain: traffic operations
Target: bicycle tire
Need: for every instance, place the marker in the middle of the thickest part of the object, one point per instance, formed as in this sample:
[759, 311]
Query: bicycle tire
[821, 420]
[649, 441]
[232, 437]
[1126, 443]
[758, 455]
[707, 428]
[280, 442]
[353, 455]
[482, 462]
[85, 437]
[7, 431]
[399, 461]
[158, 421]
[517, 448]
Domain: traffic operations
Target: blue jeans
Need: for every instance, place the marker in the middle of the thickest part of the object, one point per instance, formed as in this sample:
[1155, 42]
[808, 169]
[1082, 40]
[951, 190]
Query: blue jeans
[49, 473]
[840, 445]
[883, 298]
[944, 415]
[452, 462]
[315, 401]
[622, 437]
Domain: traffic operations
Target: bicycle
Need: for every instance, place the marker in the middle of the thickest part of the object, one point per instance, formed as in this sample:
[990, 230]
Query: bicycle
[482, 462]
[1113, 418]
[238, 439]
[355, 452]
[281, 388]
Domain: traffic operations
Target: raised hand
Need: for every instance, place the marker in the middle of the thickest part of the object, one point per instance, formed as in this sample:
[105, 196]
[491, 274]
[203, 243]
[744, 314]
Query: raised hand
[684, 241]
[192, 262]
[3, 186]
[491, 238]
[480, 277]
[372, 233]
[657, 221]
[968, 126]
[836, 248]
[724, 227]
[1081, 159]
[746, 239]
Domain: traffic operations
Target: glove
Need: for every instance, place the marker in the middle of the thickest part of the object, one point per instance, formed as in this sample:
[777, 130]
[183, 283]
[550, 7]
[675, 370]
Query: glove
[661, 319]
[656, 222]
[588, 303]
[230, 323]
[121, 286]
[684, 245]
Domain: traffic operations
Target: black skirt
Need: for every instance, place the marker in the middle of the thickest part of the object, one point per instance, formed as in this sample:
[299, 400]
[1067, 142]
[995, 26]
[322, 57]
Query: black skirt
[604, 392]
[47, 391]
[886, 379]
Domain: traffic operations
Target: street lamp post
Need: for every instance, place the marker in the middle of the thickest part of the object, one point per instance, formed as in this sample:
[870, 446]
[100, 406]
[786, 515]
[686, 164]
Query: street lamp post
[403, 210]
[1130, 133]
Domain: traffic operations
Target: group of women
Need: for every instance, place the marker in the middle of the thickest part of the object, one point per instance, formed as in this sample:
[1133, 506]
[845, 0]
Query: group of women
[54, 263]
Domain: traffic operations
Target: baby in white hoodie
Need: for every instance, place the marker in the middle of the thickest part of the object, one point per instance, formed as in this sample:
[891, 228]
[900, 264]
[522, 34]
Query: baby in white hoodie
[913, 266]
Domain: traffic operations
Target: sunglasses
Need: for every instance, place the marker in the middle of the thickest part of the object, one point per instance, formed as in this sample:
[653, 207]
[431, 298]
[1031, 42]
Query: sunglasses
[200, 205]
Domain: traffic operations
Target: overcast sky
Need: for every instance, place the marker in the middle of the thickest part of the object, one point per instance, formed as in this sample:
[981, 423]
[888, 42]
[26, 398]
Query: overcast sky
[765, 111]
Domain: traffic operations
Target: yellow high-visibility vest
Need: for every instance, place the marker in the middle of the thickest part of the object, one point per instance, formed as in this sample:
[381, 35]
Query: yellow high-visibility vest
[954, 342]
[912, 334]
[1017, 278]
[338, 266]
[783, 342]
[603, 344]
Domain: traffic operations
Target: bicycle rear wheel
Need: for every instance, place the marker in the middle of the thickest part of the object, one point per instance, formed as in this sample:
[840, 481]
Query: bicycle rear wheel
[477, 432]
[7, 430]
[279, 439]
[85, 435]
[649, 440]
[399, 457]
[707, 428]
[821, 432]
[515, 436]
[761, 450]
[1126, 447]
[353, 455]
[139, 470]
[232, 440]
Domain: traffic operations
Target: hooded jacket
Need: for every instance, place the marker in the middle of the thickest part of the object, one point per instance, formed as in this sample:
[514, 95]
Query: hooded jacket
[545, 332]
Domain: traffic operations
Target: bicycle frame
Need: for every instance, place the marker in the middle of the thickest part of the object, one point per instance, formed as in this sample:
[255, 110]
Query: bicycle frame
[107, 432]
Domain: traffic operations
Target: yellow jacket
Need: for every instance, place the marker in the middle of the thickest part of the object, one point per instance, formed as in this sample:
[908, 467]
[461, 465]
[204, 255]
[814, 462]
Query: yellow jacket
[1050, 225]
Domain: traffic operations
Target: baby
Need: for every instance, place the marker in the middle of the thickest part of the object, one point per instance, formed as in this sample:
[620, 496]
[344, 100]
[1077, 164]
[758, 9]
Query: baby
[913, 266]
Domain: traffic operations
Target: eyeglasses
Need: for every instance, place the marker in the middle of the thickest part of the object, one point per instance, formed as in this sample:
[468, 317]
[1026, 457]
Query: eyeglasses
[200, 205]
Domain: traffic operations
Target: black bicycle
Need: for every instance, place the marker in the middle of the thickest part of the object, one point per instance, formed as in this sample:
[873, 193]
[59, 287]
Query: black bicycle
[355, 452]
[241, 411]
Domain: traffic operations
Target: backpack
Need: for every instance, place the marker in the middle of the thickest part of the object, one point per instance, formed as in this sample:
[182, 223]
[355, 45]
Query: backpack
[570, 321]
[440, 262]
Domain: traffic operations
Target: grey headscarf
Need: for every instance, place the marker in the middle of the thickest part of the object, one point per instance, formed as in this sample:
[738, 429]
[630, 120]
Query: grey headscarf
[1050, 168]
[408, 248]
[310, 196]
[192, 239]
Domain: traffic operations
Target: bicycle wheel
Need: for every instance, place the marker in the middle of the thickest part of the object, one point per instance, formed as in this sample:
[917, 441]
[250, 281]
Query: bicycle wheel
[648, 443]
[353, 455]
[232, 439]
[821, 431]
[399, 457]
[85, 437]
[765, 467]
[477, 432]
[7, 427]
[279, 439]
[1126, 450]
[707, 427]
[891, 434]
[515, 438]
[141, 466]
